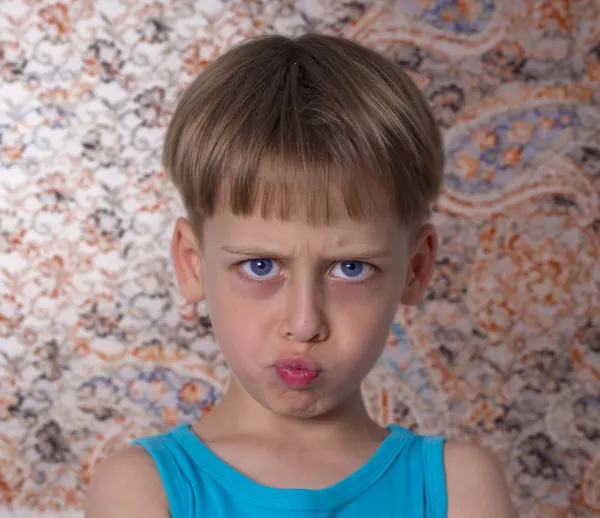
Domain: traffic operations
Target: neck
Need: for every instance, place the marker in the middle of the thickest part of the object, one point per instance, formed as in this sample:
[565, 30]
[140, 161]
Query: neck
[239, 413]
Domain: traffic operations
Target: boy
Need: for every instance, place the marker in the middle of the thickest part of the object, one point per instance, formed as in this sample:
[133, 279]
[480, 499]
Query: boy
[307, 167]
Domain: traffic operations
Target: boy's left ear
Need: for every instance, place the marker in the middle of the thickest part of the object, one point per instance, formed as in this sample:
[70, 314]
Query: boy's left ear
[422, 263]
[187, 259]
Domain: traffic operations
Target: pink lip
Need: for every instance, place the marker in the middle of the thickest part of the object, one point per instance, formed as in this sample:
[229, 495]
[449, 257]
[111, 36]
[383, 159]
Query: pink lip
[297, 372]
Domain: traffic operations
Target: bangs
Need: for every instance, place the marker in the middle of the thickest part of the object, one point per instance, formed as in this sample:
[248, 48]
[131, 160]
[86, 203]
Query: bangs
[315, 188]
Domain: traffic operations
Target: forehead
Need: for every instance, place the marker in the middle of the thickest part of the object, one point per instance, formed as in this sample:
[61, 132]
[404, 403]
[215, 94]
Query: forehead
[378, 233]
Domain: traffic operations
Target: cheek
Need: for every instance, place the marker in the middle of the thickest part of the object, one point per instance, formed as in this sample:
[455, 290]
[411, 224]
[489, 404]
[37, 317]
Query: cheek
[365, 312]
[235, 309]
[370, 298]
[366, 327]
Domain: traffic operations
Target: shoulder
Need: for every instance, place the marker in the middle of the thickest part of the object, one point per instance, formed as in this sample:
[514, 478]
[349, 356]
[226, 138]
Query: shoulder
[127, 484]
[475, 483]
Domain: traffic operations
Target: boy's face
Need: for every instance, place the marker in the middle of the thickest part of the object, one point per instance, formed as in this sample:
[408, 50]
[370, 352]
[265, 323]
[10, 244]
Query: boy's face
[302, 313]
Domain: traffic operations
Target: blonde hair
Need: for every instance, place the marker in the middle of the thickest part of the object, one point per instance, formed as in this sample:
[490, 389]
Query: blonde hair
[275, 123]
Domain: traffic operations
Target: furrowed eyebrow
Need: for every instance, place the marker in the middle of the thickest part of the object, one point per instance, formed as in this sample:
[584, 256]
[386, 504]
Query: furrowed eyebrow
[250, 251]
[356, 255]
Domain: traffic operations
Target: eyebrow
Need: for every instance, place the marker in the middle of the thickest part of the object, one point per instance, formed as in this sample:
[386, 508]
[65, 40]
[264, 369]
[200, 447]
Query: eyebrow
[258, 252]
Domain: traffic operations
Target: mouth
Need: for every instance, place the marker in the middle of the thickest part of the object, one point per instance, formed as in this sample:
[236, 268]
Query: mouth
[297, 372]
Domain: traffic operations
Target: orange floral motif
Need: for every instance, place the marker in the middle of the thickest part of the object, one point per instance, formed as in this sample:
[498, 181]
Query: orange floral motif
[54, 271]
[484, 138]
[470, 11]
[485, 413]
[158, 352]
[426, 4]
[192, 393]
[593, 68]
[555, 14]
[511, 156]
[55, 95]
[197, 56]
[489, 174]
[56, 17]
[466, 167]
[546, 124]
[588, 497]
[521, 131]
[466, 10]
[12, 153]
[6, 493]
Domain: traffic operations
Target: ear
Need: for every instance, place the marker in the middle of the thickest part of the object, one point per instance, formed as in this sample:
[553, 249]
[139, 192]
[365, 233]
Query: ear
[421, 265]
[187, 260]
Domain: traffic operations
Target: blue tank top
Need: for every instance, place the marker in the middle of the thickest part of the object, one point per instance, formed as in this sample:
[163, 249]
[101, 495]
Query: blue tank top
[403, 479]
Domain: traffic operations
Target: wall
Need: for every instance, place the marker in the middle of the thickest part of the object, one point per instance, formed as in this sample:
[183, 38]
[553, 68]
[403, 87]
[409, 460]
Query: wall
[96, 346]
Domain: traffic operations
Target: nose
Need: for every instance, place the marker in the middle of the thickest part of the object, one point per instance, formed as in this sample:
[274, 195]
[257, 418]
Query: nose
[305, 319]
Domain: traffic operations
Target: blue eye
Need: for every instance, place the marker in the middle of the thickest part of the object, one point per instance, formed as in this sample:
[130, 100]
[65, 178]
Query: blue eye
[260, 268]
[352, 270]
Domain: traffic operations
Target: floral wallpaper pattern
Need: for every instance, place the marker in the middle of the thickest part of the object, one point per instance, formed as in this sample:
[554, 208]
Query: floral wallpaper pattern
[97, 347]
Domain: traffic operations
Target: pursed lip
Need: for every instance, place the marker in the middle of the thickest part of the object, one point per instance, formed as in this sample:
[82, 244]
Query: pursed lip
[297, 372]
[298, 363]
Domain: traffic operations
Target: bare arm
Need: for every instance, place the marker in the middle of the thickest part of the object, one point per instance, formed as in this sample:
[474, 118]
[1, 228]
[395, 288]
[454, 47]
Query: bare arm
[126, 485]
[476, 484]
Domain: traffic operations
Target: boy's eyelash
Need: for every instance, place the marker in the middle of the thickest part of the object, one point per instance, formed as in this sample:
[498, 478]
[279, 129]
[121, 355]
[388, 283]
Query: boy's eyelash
[374, 271]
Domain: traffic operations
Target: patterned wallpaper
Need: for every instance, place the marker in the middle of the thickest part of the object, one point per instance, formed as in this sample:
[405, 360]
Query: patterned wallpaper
[97, 347]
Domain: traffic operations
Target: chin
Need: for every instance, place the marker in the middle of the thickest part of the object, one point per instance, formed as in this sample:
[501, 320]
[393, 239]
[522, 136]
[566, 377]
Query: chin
[299, 412]
[298, 404]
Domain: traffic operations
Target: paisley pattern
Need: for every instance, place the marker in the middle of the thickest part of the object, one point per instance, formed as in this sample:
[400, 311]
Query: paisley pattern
[97, 347]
